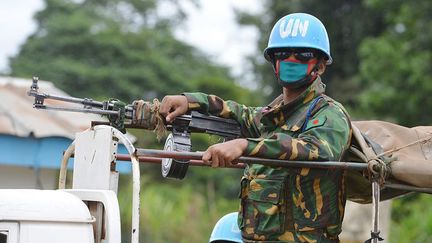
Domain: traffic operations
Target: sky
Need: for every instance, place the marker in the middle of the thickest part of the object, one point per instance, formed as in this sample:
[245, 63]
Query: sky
[15, 25]
[211, 28]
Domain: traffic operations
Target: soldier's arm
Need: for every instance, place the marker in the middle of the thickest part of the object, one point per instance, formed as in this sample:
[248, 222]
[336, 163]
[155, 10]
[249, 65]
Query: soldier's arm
[214, 105]
[326, 137]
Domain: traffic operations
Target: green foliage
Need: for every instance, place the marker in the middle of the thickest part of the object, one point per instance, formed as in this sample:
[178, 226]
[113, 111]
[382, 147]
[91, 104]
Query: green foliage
[394, 69]
[174, 211]
[121, 49]
[412, 219]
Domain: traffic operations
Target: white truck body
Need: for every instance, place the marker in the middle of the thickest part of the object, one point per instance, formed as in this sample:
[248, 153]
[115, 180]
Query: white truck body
[87, 213]
[30, 216]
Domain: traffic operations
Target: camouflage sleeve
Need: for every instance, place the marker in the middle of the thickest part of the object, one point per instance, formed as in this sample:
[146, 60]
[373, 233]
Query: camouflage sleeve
[214, 105]
[325, 138]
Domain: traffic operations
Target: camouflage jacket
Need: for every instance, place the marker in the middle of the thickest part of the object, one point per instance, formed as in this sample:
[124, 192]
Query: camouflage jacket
[289, 204]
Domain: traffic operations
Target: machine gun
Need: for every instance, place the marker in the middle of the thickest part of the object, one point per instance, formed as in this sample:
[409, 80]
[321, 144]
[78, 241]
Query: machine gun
[181, 128]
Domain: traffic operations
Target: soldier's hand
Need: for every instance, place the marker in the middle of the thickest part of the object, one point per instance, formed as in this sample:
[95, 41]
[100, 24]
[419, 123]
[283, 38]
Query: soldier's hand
[223, 154]
[140, 113]
[173, 106]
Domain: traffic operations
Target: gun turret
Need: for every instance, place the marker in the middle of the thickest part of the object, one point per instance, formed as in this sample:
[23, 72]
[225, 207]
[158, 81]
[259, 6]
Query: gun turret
[180, 128]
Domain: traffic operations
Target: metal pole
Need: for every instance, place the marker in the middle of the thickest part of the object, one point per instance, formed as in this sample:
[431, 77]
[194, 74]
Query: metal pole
[152, 160]
[375, 209]
[409, 188]
[251, 160]
[136, 184]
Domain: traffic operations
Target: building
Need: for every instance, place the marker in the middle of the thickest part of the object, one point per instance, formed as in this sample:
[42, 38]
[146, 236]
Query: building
[32, 141]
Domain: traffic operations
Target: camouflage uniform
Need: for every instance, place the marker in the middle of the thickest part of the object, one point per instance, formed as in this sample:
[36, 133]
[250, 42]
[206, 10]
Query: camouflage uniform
[289, 204]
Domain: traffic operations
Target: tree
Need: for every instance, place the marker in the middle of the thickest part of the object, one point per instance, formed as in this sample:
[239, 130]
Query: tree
[394, 72]
[114, 48]
[395, 66]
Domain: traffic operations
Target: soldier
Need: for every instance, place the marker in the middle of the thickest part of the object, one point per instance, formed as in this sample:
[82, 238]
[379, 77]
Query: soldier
[284, 204]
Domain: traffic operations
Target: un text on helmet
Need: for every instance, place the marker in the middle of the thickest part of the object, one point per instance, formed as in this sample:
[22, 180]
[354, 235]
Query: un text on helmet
[293, 27]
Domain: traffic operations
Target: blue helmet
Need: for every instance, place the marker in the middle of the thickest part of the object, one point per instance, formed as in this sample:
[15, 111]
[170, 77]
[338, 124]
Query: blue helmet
[299, 30]
[226, 229]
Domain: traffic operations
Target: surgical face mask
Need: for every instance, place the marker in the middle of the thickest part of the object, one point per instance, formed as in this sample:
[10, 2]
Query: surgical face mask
[293, 73]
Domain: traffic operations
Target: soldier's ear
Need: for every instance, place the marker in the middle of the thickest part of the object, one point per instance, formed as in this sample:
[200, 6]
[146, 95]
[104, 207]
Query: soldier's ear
[321, 67]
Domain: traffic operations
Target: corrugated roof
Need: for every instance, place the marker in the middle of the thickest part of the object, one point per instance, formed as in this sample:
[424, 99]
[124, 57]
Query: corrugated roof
[19, 118]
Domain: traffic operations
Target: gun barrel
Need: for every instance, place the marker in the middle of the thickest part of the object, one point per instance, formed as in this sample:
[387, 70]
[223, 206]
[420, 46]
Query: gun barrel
[81, 110]
[101, 108]
[85, 101]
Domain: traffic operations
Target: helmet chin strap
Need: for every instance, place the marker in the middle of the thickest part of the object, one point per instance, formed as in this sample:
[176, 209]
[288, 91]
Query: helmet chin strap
[314, 72]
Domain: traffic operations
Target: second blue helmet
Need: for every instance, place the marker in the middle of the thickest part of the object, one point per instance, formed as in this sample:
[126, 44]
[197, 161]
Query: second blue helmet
[226, 230]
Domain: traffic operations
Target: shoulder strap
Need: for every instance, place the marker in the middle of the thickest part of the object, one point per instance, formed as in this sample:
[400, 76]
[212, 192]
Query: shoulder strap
[309, 111]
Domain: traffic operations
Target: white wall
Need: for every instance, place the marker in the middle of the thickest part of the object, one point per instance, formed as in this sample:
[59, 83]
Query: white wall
[12, 177]
[357, 223]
